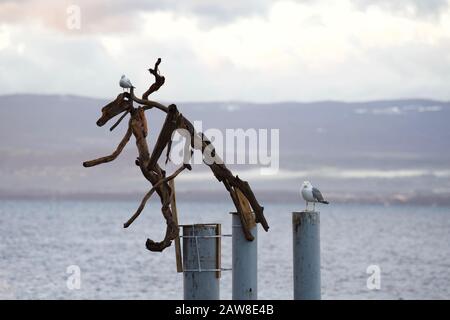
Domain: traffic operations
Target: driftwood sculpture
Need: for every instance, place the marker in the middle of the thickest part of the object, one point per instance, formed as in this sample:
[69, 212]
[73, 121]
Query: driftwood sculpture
[240, 191]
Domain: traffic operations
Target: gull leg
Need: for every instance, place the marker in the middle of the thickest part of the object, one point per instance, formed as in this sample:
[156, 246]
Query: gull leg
[314, 206]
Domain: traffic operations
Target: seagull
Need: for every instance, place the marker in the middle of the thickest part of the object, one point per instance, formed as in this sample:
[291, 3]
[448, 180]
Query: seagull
[125, 83]
[311, 194]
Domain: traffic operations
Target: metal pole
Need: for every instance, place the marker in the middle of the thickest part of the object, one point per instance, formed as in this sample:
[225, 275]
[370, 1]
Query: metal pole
[245, 264]
[200, 262]
[306, 245]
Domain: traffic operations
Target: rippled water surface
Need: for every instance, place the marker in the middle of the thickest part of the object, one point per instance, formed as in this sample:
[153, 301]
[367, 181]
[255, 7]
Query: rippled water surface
[40, 239]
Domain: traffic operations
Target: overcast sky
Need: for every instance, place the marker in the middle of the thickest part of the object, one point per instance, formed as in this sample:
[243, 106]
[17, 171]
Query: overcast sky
[258, 50]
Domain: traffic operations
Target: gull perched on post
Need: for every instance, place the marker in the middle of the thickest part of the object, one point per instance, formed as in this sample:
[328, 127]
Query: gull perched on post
[311, 194]
[125, 83]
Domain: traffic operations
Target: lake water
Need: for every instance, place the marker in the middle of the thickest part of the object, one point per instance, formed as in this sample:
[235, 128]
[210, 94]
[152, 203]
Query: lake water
[40, 239]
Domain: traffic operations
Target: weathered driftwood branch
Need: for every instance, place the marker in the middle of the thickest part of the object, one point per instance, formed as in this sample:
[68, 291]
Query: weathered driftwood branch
[152, 190]
[118, 121]
[113, 155]
[159, 81]
[149, 166]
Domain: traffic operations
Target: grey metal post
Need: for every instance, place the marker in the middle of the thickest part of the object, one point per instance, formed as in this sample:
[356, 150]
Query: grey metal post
[244, 262]
[306, 245]
[200, 269]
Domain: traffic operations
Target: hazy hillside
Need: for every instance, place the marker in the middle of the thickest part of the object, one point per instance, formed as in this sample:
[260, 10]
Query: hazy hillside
[353, 150]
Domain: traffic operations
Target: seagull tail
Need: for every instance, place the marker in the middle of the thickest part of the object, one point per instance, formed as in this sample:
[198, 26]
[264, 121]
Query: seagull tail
[324, 202]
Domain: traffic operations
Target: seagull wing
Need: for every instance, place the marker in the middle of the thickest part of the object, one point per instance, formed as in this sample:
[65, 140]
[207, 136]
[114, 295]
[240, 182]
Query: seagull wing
[318, 195]
[129, 83]
[123, 83]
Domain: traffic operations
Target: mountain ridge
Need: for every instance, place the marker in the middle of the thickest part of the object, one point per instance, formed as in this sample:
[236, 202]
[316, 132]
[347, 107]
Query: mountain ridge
[281, 102]
[339, 146]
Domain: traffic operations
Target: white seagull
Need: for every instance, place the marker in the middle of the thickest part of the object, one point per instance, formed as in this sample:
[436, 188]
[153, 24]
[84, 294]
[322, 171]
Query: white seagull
[125, 83]
[311, 194]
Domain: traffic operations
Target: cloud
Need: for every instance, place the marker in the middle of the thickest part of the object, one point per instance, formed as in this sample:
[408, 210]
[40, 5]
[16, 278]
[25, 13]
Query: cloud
[414, 8]
[242, 50]
[118, 16]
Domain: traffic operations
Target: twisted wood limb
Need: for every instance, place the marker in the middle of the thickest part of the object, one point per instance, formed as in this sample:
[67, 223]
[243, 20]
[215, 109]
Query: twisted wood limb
[152, 190]
[164, 192]
[118, 121]
[153, 175]
[112, 156]
[148, 104]
[159, 81]
[165, 135]
[248, 235]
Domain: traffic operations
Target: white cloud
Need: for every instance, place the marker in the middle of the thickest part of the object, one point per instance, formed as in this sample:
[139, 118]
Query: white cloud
[414, 8]
[5, 40]
[286, 50]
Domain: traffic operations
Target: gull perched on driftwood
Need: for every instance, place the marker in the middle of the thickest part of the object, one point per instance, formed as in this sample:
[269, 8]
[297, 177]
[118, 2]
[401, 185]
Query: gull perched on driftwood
[125, 83]
[311, 194]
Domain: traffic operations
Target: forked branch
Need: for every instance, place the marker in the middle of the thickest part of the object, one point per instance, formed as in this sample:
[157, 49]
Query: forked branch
[152, 190]
[159, 81]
